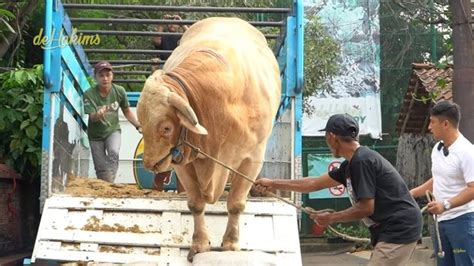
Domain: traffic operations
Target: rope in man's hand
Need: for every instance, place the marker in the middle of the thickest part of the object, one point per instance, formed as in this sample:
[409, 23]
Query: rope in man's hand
[431, 198]
[306, 210]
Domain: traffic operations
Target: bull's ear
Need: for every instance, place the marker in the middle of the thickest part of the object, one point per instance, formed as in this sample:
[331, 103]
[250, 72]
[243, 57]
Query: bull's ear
[197, 128]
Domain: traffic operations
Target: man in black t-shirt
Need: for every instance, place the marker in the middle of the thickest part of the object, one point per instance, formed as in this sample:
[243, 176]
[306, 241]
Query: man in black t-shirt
[168, 42]
[379, 195]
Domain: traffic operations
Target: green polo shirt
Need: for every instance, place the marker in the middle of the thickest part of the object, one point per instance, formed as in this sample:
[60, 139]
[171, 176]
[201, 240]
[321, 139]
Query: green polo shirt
[93, 101]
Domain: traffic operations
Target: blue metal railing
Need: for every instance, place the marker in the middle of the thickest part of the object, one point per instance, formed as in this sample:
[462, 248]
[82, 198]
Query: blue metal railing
[66, 69]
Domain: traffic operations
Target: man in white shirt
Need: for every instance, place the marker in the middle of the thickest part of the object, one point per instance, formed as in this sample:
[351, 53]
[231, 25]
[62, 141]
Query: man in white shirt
[452, 184]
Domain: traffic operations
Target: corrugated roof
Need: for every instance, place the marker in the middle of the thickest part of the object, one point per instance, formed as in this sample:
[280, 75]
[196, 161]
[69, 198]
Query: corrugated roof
[427, 84]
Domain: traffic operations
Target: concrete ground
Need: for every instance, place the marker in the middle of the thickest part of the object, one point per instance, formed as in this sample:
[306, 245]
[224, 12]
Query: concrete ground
[421, 257]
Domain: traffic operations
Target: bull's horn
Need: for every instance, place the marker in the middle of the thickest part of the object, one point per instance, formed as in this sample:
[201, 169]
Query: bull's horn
[176, 101]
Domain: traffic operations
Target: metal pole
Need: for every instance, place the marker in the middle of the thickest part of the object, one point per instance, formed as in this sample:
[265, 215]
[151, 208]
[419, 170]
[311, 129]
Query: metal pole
[146, 33]
[434, 51]
[129, 80]
[121, 72]
[129, 62]
[163, 21]
[48, 25]
[126, 51]
[179, 8]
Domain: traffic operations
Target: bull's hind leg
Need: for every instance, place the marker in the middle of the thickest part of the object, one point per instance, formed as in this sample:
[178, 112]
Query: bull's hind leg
[236, 203]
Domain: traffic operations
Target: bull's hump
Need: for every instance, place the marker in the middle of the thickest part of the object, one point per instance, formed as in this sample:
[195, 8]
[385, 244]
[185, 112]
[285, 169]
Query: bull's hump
[229, 29]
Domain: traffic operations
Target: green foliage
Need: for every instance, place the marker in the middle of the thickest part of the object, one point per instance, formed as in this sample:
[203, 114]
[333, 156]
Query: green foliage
[21, 102]
[321, 54]
[404, 41]
[5, 17]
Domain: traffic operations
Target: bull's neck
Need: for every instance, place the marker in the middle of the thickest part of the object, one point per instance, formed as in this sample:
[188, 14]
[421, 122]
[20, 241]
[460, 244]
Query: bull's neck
[180, 86]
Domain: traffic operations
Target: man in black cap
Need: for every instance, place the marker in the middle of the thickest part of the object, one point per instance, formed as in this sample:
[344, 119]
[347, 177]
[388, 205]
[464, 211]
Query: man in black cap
[378, 194]
[101, 103]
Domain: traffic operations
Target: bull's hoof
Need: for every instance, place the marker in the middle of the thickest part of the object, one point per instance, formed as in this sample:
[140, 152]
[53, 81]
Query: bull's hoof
[230, 246]
[198, 249]
[191, 254]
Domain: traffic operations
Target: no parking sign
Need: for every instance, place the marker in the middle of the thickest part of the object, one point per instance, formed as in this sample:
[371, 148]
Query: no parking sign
[319, 164]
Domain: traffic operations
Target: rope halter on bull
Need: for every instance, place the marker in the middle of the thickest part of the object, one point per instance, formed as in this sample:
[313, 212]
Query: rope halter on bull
[175, 152]
[430, 197]
[306, 210]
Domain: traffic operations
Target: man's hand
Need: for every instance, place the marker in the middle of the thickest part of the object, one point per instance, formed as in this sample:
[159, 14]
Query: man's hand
[435, 207]
[100, 114]
[264, 185]
[323, 219]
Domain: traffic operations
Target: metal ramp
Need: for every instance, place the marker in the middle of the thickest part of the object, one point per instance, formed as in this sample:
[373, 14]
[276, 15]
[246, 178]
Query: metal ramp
[156, 230]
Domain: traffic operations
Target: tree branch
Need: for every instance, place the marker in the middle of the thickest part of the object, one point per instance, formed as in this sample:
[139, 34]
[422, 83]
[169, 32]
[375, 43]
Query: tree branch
[20, 20]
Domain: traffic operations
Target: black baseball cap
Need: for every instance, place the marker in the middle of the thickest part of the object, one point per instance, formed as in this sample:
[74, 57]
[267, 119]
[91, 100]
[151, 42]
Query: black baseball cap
[101, 65]
[342, 125]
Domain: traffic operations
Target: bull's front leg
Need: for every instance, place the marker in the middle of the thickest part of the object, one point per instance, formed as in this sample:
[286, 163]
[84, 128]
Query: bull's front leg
[200, 236]
[236, 204]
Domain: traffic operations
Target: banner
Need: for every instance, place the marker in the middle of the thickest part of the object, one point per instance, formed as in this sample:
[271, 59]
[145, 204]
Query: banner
[319, 164]
[356, 91]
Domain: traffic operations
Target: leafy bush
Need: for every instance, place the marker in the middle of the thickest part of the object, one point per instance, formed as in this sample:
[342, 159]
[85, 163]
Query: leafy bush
[21, 103]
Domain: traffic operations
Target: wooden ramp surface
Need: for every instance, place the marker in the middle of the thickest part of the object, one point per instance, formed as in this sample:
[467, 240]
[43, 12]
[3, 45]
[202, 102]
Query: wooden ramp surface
[154, 230]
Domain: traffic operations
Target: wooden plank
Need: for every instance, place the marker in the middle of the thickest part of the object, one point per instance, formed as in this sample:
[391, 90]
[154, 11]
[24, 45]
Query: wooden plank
[113, 238]
[289, 236]
[261, 226]
[119, 233]
[265, 207]
[68, 255]
[173, 235]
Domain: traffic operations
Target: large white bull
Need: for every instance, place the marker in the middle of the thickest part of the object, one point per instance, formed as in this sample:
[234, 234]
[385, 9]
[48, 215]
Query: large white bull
[220, 91]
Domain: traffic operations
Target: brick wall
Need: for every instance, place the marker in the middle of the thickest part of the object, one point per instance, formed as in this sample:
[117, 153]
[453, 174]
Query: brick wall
[10, 218]
[10, 214]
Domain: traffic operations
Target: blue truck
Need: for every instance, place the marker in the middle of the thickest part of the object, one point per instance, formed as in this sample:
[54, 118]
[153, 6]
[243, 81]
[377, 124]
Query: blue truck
[126, 230]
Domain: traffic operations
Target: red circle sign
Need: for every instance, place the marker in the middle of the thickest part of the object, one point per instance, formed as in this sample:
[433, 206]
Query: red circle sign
[333, 165]
[337, 190]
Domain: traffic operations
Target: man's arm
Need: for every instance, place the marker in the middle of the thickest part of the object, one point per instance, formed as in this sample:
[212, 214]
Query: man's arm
[465, 196]
[363, 208]
[157, 39]
[307, 184]
[421, 189]
[99, 115]
[127, 112]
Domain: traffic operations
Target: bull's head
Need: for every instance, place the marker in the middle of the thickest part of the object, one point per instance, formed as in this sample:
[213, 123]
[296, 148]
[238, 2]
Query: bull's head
[162, 113]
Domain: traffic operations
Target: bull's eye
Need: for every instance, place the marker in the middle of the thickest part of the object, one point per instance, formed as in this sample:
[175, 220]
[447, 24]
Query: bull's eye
[165, 129]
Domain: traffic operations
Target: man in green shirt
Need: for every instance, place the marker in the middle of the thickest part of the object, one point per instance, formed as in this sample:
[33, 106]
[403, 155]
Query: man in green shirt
[101, 103]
